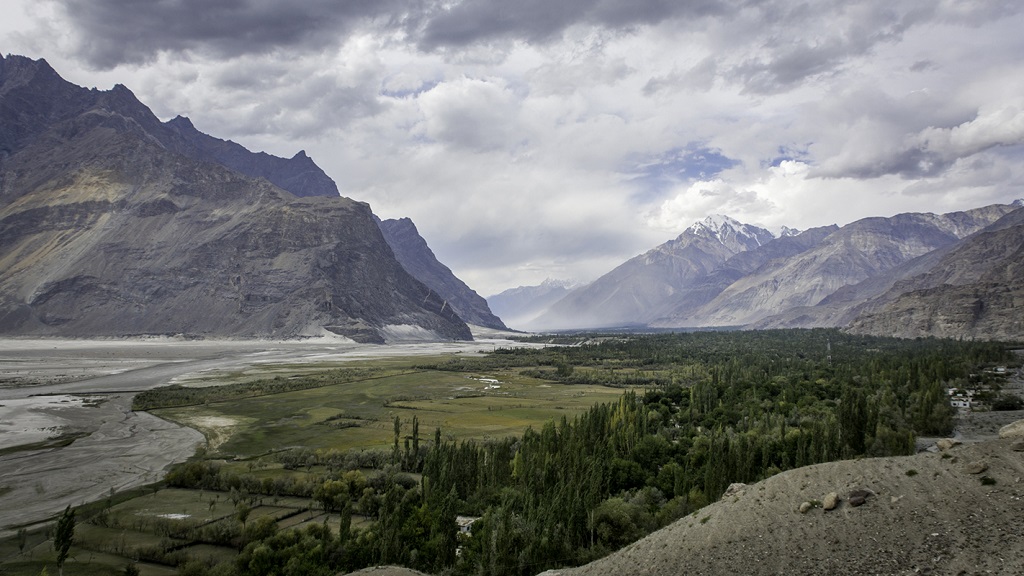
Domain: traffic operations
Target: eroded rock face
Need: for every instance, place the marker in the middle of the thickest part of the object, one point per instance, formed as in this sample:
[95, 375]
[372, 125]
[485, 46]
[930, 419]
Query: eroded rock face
[106, 232]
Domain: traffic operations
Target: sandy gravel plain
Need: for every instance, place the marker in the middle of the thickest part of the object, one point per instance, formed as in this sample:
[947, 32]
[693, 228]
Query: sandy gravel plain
[70, 400]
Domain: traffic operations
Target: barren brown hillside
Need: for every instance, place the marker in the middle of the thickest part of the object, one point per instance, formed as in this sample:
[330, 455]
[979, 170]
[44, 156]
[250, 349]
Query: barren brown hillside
[932, 513]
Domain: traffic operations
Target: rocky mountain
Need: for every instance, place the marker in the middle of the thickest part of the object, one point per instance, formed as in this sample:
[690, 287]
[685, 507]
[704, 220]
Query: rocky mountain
[26, 117]
[848, 256]
[720, 273]
[520, 306]
[974, 290]
[418, 259]
[113, 223]
[653, 284]
[298, 174]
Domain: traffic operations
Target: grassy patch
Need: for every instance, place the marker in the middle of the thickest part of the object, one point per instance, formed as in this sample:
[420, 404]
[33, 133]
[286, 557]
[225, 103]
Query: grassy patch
[462, 405]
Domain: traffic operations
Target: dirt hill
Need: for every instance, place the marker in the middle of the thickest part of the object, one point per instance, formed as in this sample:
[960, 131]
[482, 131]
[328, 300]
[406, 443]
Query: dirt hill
[956, 511]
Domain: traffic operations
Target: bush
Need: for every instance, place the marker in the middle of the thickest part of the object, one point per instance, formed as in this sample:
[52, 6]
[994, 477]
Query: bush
[1008, 402]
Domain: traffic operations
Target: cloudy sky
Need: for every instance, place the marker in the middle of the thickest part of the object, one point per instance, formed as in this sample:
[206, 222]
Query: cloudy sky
[557, 138]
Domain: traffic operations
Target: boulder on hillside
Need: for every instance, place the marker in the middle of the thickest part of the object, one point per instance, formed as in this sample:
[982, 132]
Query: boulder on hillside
[1012, 430]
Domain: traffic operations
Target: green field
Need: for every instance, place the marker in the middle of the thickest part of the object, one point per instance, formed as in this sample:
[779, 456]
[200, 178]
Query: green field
[360, 414]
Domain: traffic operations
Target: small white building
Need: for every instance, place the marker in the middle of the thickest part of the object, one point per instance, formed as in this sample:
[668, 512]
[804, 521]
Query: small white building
[466, 524]
[960, 398]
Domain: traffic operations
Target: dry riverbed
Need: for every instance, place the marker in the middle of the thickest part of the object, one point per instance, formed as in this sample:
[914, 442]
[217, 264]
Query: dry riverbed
[67, 432]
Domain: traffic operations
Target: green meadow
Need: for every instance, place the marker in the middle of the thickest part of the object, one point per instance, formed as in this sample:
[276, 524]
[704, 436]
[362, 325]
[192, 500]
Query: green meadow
[360, 414]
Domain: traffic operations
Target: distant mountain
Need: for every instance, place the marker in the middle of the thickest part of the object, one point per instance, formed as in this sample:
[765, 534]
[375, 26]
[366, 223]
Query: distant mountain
[520, 306]
[913, 274]
[734, 271]
[649, 286]
[418, 259]
[975, 290]
[113, 223]
[849, 255]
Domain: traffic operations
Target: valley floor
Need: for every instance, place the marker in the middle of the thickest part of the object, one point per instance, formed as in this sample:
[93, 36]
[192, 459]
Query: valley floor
[67, 432]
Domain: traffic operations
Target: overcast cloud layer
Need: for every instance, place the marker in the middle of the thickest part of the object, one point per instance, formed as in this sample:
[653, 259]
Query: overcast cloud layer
[547, 138]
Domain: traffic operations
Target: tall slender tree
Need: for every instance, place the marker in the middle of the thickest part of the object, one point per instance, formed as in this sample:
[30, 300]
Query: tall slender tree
[64, 537]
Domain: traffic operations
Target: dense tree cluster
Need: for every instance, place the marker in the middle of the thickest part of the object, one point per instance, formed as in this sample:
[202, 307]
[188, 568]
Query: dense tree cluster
[710, 409]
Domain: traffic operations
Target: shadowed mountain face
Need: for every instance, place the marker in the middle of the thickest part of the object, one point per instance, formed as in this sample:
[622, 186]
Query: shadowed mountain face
[298, 174]
[35, 96]
[110, 226]
[418, 259]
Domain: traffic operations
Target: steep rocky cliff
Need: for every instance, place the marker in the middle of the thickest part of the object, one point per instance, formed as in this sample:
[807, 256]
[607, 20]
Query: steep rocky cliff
[108, 229]
[418, 259]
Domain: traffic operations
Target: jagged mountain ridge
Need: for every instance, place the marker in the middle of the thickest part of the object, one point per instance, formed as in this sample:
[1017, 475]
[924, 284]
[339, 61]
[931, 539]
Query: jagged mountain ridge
[418, 259]
[854, 253]
[974, 291]
[107, 230]
[298, 174]
[24, 117]
[822, 277]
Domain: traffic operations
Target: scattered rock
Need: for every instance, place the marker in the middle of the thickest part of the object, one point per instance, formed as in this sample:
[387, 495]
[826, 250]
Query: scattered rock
[1017, 446]
[976, 467]
[947, 443]
[735, 489]
[830, 501]
[806, 507]
[1014, 430]
[859, 497]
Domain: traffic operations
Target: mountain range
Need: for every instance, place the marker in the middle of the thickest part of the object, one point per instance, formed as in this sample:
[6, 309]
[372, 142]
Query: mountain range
[113, 223]
[916, 274]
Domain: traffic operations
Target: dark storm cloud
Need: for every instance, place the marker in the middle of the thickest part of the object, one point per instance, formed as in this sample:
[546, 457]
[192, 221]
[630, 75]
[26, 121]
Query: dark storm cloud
[473, 21]
[113, 32]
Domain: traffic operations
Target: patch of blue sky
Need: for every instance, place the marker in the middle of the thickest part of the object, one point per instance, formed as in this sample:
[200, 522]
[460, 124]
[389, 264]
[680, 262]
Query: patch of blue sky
[654, 175]
[787, 154]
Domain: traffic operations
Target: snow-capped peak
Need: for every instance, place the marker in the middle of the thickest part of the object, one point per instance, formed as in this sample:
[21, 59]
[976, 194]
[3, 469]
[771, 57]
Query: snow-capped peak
[568, 284]
[730, 231]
